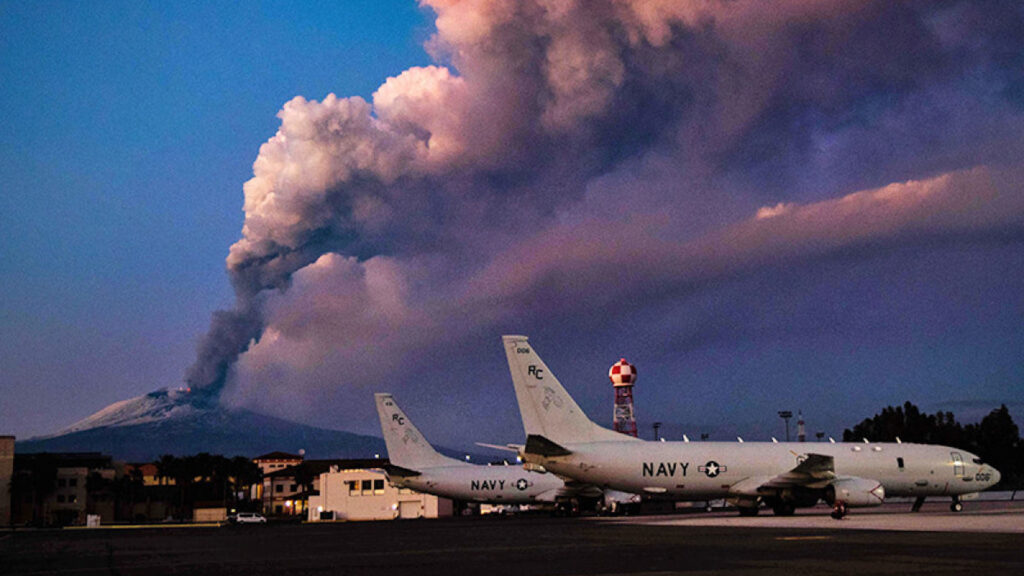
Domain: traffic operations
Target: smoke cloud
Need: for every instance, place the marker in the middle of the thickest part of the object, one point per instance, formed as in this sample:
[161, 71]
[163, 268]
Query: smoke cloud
[577, 162]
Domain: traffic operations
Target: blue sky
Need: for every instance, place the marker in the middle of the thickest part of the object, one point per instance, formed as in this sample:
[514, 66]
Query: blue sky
[819, 208]
[129, 130]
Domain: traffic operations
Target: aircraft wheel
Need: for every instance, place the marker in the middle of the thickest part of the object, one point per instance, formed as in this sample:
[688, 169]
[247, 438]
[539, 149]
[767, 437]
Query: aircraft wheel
[956, 506]
[839, 510]
[784, 509]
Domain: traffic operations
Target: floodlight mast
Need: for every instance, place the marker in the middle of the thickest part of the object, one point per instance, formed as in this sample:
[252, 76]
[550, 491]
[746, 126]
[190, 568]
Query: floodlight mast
[786, 415]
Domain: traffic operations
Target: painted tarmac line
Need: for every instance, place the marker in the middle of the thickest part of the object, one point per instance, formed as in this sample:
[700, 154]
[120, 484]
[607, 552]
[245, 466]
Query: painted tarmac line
[144, 526]
[1007, 522]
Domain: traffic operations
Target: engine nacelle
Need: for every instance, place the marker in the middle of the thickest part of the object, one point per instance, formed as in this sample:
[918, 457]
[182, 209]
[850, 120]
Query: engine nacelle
[855, 492]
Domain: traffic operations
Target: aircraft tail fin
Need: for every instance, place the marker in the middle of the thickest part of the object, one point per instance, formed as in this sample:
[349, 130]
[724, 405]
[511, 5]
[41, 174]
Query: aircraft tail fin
[547, 410]
[407, 448]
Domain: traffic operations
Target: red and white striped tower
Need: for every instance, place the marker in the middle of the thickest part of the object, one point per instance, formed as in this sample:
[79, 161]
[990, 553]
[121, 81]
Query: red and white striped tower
[623, 376]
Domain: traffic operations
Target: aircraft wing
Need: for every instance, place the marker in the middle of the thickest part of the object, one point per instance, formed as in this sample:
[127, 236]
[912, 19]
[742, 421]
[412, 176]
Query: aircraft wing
[816, 471]
[577, 488]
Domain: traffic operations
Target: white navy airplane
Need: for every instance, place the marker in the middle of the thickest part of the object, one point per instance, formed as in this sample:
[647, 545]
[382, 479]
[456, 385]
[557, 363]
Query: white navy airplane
[783, 475]
[415, 464]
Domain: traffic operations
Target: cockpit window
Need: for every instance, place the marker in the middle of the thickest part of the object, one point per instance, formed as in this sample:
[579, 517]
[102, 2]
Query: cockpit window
[977, 461]
[958, 464]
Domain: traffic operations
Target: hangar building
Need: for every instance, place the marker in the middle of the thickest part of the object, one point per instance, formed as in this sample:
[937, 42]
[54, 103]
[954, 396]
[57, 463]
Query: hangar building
[364, 494]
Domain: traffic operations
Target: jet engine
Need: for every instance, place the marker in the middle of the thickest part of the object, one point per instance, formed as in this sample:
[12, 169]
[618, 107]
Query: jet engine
[855, 492]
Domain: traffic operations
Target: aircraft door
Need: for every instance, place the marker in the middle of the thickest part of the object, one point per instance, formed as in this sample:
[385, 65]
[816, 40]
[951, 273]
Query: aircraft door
[410, 509]
[958, 464]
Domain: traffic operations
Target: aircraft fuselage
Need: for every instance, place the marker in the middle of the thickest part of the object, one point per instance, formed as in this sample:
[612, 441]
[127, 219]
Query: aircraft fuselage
[707, 470]
[496, 484]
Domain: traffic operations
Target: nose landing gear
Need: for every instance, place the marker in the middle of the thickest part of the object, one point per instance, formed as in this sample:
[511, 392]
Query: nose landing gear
[956, 506]
[839, 510]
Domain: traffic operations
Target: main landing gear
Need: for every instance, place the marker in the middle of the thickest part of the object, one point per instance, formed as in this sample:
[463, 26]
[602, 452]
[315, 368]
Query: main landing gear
[783, 508]
[956, 506]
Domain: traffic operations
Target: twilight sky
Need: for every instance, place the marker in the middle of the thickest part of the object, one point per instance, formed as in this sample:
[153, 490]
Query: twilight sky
[812, 205]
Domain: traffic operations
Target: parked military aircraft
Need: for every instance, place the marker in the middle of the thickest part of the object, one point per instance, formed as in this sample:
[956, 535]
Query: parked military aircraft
[417, 465]
[562, 439]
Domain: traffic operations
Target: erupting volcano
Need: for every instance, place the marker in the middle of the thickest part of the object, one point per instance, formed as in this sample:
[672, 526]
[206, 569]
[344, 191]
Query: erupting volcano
[174, 422]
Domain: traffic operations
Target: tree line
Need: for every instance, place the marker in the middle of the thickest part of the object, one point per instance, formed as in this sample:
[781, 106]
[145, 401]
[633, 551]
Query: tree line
[207, 477]
[181, 483]
[996, 439]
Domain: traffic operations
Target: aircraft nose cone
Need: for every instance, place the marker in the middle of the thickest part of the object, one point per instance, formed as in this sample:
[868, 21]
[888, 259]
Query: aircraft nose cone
[995, 476]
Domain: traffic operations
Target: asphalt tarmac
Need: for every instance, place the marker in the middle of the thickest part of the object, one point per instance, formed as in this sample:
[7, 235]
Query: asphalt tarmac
[493, 546]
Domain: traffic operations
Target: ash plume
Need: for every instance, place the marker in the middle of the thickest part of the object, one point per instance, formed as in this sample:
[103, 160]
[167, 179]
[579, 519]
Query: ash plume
[563, 157]
[230, 333]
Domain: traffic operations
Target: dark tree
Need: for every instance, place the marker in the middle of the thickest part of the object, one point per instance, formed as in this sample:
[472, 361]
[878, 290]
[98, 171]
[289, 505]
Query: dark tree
[996, 439]
[38, 481]
[999, 444]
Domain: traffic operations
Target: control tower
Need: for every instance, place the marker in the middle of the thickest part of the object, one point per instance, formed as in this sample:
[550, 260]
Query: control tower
[623, 376]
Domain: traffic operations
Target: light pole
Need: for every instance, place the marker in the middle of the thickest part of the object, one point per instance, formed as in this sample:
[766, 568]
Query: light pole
[786, 415]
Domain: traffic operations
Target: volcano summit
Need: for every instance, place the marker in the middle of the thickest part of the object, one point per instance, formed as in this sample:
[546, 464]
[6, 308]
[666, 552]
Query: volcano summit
[174, 422]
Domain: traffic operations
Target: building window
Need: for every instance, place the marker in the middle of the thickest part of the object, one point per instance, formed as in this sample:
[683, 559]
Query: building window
[279, 488]
[367, 486]
[61, 482]
[378, 486]
[72, 482]
[294, 487]
[60, 498]
[72, 499]
[277, 509]
[353, 487]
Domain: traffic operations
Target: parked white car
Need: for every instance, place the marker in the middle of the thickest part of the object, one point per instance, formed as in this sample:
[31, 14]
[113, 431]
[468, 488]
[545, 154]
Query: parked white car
[248, 518]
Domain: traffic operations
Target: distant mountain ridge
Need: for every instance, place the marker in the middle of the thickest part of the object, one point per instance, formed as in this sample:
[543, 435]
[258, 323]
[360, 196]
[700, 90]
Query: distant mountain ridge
[166, 422]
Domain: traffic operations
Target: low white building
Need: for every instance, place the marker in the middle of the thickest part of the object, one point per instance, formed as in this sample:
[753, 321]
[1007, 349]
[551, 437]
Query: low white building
[364, 494]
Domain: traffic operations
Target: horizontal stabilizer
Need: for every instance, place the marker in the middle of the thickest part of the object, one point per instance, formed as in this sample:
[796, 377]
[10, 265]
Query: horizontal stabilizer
[536, 444]
[506, 448]
[399, 472]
